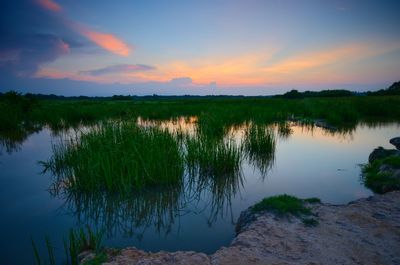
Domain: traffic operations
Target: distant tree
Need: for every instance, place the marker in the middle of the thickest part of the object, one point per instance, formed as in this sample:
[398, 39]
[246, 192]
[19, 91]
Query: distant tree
[292, 94]
[394, 89]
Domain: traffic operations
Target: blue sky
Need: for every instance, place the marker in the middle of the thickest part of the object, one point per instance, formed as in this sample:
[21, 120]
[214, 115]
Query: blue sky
[197, 47]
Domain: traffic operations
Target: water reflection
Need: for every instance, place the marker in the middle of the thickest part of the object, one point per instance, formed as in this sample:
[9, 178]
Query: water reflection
[214, 156]
[130, 215]
[259, 144]
[11, 141]
[203, 207]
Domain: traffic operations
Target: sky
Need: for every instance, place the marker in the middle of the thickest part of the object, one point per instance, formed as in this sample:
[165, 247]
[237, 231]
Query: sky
[171, 47]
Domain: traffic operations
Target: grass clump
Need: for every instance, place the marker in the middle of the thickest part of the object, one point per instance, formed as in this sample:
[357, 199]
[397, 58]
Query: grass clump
[118, 157]
[259, 144]
[212, 158]
[282, 205]
[379, 175]
[312, 200]
[78, 241]
[286, 205]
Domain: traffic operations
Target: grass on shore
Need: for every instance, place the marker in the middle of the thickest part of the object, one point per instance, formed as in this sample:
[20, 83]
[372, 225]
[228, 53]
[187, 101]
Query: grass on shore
[381, 180]
[282, 205]
[286, 205]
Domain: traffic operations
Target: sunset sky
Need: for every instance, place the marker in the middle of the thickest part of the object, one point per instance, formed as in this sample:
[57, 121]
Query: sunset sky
[197, 47]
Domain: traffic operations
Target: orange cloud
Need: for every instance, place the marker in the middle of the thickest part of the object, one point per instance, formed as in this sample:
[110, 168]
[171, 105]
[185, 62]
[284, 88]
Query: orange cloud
[333, 65]
[49, 5]
[107, 41]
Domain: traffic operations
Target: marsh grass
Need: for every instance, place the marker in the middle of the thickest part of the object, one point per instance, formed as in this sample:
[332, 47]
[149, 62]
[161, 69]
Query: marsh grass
[78, 241]
[282, 205]
[211, 126]
[259, 144]
[118, 156]
[213, 158]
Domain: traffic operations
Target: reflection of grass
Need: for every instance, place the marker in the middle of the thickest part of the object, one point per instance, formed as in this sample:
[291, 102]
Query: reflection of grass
[382, 181]
[12, 140]
[118, 157]
[259, 143]
[284, 130]
[128, 214]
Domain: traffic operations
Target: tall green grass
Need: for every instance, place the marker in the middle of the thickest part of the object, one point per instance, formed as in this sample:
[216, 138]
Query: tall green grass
[118, 157]
[259, 144]
[78, 241]
[214, 158]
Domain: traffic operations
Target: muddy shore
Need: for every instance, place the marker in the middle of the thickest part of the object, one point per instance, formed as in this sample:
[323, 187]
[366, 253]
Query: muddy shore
[366, 231]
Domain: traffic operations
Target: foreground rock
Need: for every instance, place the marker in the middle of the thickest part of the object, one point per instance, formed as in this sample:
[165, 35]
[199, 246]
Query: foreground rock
[396, 142]
[366, 231]
[381, 152]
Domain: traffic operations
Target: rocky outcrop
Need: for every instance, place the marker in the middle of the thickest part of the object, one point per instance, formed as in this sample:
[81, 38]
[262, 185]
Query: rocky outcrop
[381, 152]
[396, 142]
[366, 231]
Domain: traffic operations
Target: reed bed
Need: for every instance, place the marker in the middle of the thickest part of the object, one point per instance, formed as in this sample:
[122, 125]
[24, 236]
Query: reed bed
[259, 144]
[215, 158]
[118, 157]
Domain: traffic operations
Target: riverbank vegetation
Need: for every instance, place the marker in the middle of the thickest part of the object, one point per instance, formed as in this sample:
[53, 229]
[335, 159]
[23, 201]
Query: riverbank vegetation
[286, 206]
[382, 175]
[26, 111]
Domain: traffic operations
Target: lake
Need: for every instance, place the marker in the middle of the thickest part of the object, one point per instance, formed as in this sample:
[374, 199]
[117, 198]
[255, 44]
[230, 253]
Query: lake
[310, 162]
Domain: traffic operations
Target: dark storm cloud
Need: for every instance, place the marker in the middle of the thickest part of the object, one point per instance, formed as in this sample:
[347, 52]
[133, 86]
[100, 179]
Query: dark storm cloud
[119, 68]
[31, 36]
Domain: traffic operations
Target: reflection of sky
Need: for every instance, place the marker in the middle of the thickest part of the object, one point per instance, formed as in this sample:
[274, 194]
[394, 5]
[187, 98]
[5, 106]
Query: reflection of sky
[198, 47]
[307, 164]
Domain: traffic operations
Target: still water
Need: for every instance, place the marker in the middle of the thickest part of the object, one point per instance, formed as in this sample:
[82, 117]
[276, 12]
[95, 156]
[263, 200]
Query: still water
[308, 163]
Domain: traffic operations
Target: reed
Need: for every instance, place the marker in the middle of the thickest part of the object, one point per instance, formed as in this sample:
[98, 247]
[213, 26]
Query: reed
[213, 158]
[259, 144]
[117, 157]
[78, 241]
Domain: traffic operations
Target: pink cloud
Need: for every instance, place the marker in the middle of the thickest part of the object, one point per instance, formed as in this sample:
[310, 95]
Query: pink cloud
[49, 5]
[107, 41]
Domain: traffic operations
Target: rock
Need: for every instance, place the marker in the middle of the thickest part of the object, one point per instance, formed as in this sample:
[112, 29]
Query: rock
[131, 255]
[245, 218]
[396, 142]
[381, 152]
[86, 256]
[324, 125]
[366, 231]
